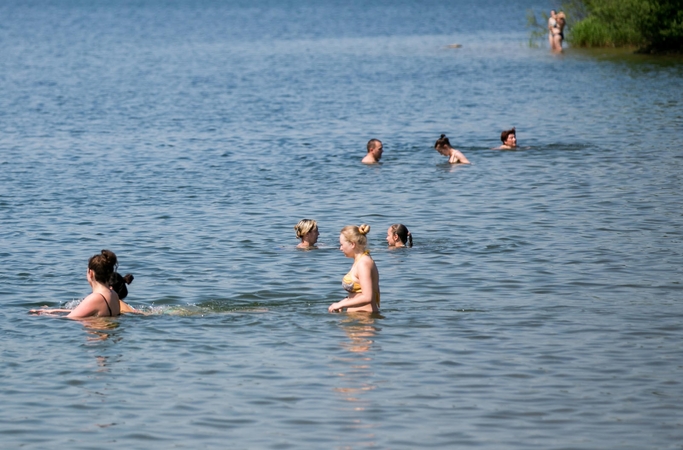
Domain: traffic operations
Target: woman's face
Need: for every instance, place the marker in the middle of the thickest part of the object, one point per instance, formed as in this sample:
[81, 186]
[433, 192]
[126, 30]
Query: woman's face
[392, 238]
[312, 236]
[346, 247]
[511, 140]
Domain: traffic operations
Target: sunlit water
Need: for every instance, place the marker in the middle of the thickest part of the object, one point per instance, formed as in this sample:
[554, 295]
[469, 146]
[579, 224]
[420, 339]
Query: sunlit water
[539, 308]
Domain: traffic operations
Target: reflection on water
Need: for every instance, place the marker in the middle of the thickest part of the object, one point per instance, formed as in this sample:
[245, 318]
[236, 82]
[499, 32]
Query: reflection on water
[100, 328]
[357, 380]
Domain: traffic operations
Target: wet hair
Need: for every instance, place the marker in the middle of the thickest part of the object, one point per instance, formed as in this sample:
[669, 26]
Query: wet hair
[103, 265]
[372, 143]
[504, 135]
[356, 234]
[442, 141]
[304, 227]
[118, 283]
[403, 234]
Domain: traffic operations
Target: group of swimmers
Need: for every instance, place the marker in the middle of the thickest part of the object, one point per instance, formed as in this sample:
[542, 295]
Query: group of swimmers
[362, 281]
[443, 146]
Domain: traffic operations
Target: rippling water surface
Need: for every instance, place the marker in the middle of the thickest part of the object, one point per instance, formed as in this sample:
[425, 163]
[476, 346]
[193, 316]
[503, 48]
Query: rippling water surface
[539, 308]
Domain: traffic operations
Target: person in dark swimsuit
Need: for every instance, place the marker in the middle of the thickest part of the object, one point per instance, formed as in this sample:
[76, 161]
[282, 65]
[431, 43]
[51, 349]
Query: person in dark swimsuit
[103, 301]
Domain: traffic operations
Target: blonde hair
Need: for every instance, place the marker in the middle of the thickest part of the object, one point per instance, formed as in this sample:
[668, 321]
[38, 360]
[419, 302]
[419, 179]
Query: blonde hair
[356, 234]
[304, 227]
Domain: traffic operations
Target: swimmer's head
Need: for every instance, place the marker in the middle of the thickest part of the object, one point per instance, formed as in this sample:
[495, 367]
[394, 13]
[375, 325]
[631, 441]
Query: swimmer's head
[398, 231]
[509, 137]
[442, 142]
[118, 284]
[560, 16]
[103, 265]
[304, 227]
[356, 235]
[376, 148]
[307, 232]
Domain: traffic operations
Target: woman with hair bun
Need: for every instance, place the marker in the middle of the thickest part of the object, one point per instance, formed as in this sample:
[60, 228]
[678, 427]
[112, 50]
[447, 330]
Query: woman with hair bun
[398, 236]
[307, 232]
[443, 146]
[362, 281]
[103, 301]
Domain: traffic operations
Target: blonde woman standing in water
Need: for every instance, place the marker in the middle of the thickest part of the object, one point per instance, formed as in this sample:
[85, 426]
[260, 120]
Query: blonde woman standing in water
[307, 232]
[362, 281]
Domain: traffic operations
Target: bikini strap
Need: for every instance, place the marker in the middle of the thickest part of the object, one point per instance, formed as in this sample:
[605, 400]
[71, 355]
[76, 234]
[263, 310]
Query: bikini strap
[107, 303]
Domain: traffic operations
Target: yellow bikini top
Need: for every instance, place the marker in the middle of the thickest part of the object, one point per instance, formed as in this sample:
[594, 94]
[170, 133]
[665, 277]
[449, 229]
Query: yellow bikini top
[347, 282]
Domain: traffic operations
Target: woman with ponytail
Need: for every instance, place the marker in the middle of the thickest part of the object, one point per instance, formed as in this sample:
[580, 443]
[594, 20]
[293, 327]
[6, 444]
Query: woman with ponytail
[362, 281]
[443, 146]
[399, 236]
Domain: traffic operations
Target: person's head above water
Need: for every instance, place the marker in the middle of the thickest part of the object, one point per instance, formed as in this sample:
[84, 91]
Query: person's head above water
[375, 150]
[442, 143]
[307, 232]
[103, 265]
[509, 138]
[398, 235]
[355, 236]
[118, 284]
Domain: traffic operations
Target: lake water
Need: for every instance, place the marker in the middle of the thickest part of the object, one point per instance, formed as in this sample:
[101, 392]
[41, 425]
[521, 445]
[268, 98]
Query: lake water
[540, 308]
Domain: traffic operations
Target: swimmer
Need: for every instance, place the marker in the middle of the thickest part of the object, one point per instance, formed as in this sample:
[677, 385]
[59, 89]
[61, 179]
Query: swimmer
[307, 232]
[443, 146]
[103, 301]
[362, 281]
[398, 235]
[558, 32]
[375, 150]
[552, 22]
[509, 140]
[118, 284]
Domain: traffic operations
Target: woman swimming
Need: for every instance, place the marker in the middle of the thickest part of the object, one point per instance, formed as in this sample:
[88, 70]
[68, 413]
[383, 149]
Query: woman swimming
[443, 146]
[362, 281]
[398, 236]
[104, 300]
[307, 232]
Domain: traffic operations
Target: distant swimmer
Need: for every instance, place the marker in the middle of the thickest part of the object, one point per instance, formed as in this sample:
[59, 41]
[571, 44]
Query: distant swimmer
[443, 146]
[362, 281]
[552, 23]
[307, 232]
[509, 140]
[375, 150]
[103, 301]
[399, 236]
[558, 32]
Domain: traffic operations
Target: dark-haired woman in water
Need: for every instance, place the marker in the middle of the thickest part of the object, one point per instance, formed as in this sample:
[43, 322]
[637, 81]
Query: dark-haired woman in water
[103, 301]
[362, 281]
[443, 146]
[399, 236]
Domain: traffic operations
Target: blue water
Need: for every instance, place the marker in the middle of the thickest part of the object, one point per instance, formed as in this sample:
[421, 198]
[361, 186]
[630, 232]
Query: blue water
[539, 308]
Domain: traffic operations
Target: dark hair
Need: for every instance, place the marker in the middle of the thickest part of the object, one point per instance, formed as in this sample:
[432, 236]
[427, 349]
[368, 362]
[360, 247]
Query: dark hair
[442, 141]
[118, 284]
[103, 265]
[504, 135]
[372, 143]
[403, 234]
